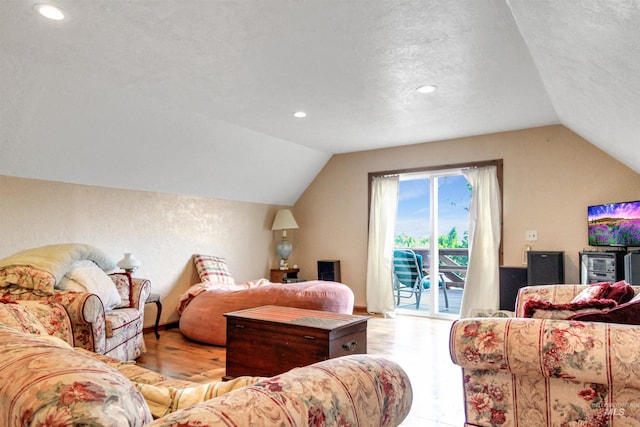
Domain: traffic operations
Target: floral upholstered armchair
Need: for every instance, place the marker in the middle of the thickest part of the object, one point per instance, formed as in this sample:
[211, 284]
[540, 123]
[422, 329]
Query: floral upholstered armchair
[549, 371]
[106, 311]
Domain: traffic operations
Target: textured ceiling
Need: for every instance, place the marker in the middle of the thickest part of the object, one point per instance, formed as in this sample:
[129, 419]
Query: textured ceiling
[196, 97]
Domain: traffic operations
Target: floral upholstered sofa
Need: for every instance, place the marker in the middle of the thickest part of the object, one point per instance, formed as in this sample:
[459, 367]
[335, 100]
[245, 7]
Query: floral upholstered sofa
[551, 371]
[106, 310]
[46, 382]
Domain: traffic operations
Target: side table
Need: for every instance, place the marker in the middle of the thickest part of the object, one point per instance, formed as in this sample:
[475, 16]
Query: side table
[280, 276]
[155, 298]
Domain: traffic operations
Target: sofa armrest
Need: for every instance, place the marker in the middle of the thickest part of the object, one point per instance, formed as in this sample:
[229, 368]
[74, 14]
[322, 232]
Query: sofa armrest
[352, 390]
[600, 353]
[133, 291]
[53, 317]
[140, 290]
[555, 294]
[46, 382]
[85, 311]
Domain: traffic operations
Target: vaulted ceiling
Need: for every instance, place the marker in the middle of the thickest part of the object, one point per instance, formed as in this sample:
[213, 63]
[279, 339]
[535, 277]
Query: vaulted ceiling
[197, 96]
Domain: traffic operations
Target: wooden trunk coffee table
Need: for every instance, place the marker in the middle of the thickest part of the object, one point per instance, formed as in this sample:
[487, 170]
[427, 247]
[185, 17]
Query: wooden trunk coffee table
[270, 340]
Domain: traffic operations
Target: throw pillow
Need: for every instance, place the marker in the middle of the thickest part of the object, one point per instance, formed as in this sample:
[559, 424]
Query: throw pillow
[546, 310]
[91, 277]
[595, 291]
[17, 317]
[213, 269]
[628, 314]
[621, 292]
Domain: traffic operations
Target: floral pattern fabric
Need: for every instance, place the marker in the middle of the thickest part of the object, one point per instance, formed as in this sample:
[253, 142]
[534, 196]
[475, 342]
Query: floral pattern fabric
[52, 385]
[357, 390]
[544, 372]
[88, 319]
[53, 317]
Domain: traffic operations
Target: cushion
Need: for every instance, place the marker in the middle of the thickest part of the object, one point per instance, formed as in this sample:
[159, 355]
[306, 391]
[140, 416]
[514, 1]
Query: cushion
[593, 292]
[213, 269]
[122, 320]
[546, 310]
[163, 400]
[628, 313]
[17, 317]
[621, 292]
[92, 279]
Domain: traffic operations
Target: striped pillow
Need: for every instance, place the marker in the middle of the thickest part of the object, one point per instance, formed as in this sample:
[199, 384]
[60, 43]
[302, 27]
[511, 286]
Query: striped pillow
[213, 269]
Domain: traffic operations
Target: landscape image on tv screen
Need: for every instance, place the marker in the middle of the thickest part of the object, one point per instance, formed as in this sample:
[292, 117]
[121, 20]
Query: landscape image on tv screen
[614, 224]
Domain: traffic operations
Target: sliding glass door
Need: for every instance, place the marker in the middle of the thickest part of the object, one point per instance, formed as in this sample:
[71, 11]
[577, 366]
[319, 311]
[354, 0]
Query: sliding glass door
[432, 223]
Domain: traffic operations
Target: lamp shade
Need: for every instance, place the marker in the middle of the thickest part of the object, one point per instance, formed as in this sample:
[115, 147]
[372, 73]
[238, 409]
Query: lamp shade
[284, 220]
[129, 263]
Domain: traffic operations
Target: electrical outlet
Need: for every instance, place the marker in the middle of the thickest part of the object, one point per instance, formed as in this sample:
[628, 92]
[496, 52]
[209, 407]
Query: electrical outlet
[531, 235]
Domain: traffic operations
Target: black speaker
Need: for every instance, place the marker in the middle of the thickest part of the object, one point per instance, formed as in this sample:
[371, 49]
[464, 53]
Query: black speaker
[511, 280]
[545, 268]
[329, 270]
[632, 268]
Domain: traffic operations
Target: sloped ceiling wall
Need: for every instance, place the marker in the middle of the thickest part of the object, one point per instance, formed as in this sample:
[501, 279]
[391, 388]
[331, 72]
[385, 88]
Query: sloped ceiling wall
[588, 54]
[196, 97]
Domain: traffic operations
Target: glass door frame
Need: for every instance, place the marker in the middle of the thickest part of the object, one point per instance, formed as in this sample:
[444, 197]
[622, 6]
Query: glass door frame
[498, 163]
[434, 251]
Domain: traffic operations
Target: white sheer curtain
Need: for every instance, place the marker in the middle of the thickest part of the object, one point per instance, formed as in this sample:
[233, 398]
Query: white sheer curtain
[481, 289]
[382, 220]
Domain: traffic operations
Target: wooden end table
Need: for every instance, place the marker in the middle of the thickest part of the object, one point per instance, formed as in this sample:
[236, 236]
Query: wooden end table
[280, 276]
[266, 341]
[155, 299]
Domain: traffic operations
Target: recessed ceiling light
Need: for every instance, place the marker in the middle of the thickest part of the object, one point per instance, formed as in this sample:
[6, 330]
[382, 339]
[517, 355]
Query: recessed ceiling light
[426, 89]
[49, 11]
[299, 114]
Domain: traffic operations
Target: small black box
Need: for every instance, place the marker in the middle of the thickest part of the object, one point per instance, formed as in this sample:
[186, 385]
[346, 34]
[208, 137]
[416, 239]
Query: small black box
[329, 270]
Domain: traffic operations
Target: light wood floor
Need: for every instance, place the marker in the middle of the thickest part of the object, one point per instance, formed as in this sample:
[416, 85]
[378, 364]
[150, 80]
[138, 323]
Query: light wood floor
[420, 345]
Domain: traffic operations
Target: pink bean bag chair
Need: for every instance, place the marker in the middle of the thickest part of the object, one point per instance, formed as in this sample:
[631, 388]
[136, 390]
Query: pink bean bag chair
[203, 306]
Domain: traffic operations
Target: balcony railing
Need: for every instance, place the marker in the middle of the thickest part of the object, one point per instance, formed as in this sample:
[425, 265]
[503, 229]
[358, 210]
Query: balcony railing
[454, 269]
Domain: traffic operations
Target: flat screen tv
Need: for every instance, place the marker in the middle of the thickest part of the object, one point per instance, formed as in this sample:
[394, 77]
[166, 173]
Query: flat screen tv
[614, 224]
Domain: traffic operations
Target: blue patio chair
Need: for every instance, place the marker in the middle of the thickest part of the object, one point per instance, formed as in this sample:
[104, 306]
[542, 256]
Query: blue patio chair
[409, 279]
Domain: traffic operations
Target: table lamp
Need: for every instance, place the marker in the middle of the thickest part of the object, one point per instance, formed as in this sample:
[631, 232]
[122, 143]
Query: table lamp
[284, 220]
[129, 263]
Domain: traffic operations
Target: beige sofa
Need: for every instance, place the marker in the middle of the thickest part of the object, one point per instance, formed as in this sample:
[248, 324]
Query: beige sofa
[45, 381]
[548, 372]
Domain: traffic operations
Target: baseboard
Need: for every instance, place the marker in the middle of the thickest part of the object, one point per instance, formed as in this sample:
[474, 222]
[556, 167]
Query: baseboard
[360, 310]
[150, 329]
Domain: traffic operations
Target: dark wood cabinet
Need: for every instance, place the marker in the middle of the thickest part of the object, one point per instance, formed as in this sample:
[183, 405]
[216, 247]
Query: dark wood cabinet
[269, 340]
